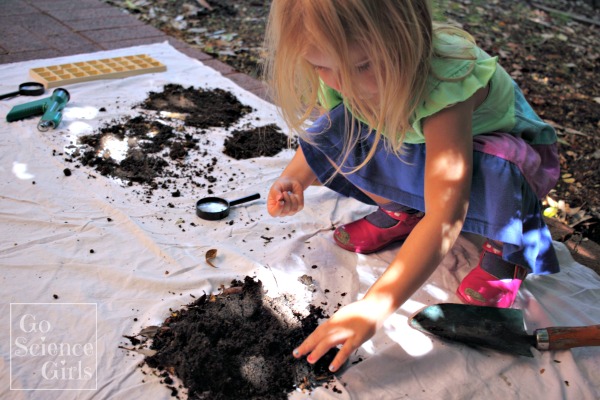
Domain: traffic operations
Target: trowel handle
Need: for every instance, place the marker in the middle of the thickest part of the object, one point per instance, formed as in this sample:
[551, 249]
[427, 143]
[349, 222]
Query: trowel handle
[564, 338]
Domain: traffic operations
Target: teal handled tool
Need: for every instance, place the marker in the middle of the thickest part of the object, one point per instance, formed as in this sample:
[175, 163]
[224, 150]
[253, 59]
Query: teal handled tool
[50, 108]
[501, 329]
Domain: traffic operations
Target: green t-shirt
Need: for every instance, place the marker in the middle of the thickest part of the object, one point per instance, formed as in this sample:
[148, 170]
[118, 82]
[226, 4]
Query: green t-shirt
[452, 81]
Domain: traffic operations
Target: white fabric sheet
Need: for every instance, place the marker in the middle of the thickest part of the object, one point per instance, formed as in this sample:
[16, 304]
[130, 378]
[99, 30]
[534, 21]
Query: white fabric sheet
[117, 261]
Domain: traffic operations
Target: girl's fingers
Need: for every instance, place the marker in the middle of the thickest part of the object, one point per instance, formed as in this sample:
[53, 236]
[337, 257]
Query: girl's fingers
[307, 345]
[320, 342]
[286, 197]
[291, 204]
[322, 348]
[275, 204]
[341, 356]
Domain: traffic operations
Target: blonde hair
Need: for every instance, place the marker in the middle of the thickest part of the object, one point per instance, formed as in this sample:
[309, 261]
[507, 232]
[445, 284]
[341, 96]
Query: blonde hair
[397, 36]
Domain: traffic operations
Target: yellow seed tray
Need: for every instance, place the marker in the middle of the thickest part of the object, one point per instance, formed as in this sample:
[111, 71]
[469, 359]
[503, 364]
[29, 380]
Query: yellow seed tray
[106, 68]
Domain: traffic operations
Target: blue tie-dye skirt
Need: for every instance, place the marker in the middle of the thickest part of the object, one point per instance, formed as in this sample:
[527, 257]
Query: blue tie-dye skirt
[509, 179]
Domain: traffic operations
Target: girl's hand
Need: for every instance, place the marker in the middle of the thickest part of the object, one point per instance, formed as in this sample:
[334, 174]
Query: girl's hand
[350, 326]
[286, 197]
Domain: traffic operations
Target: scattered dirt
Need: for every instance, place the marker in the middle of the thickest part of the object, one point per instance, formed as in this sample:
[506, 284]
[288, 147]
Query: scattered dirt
[550, 47]
[236, 345]
[157, 147]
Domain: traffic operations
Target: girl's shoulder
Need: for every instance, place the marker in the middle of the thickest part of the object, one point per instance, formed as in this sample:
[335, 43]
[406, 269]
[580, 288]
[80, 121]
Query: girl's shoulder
[455, 54]
[458, 69]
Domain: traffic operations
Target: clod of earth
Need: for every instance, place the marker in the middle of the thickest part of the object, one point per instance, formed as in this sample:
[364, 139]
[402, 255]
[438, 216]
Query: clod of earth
[264, 141]
[238, 345]
[203, 108]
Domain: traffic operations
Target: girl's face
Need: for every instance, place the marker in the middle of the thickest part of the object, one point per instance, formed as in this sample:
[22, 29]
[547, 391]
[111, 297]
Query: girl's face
[325, 66]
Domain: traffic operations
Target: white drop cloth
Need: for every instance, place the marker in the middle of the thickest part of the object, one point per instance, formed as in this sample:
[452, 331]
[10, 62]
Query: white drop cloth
[117, 261]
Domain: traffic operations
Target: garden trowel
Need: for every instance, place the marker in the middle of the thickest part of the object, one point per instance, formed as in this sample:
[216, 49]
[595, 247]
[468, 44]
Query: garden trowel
[499, 329]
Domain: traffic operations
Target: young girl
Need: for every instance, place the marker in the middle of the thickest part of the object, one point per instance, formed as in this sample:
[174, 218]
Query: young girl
[418, 120]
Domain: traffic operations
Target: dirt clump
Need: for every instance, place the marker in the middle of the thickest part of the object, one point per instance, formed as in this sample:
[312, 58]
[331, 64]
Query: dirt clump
[264, 141]
[203, 108]
[238, 345]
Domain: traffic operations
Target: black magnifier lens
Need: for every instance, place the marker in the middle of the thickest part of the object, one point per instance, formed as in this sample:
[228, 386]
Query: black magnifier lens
[212, 207]
[26, 89]
[31, 89]
[215, 208]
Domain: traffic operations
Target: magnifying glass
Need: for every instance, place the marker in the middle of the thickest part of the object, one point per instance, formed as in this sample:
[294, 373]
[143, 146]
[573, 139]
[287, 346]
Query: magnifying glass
[26, 89]
[215, 208]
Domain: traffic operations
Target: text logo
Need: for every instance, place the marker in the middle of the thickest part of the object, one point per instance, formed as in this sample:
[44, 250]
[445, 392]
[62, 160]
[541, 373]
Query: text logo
[53, 346]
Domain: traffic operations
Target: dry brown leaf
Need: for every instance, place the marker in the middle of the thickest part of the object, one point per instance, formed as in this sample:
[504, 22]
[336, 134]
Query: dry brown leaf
[210, 256]
[232, 290]
[149, 331]
[205, 4]
[143, 351]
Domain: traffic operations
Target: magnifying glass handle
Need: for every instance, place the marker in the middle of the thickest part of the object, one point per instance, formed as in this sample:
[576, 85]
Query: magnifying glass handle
[245, 199]
[7, 95]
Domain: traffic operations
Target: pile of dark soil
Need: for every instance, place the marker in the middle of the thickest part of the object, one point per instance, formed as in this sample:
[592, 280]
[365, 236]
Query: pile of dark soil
[264, 141]
[238, 345]
[203, 108]
[168, 142]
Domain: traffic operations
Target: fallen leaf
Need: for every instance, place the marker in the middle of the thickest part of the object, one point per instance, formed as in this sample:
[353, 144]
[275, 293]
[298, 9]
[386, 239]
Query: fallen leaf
[146, 352]
[233, 290]
[149, 331]
[211, 255]
[550, 212]
[205, 4]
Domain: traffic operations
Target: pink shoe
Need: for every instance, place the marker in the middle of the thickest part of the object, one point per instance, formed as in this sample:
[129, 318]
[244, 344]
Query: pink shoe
[363, 237]
[481, 288]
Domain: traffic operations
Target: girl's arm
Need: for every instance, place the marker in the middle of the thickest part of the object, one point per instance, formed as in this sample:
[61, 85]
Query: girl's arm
[448, 172]
[286, 196]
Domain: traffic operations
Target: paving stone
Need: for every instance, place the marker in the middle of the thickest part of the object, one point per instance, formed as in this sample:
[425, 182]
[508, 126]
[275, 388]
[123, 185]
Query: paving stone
[69, 5]
[15, 7]
[120, 34]
[71, 40]
[130, 43]
[78, 14]
[21, 41]
[88, 24]
[41, 25]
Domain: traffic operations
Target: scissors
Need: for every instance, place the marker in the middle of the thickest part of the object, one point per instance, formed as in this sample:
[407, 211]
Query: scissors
[26, 89]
